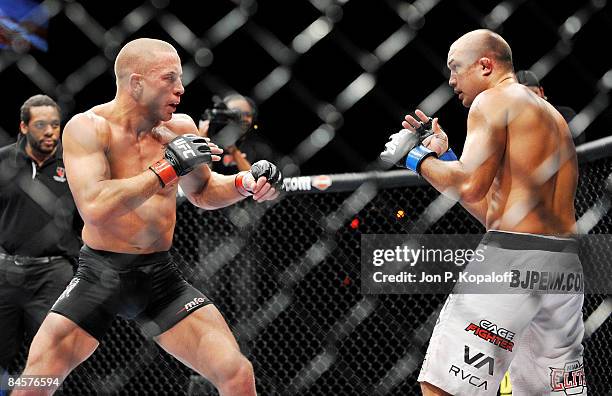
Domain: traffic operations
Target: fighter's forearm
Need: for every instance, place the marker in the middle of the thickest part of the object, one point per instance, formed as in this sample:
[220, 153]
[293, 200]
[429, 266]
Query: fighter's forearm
[453, 179]
[219, 191]
[447, 177]
[117, 197]
[450, 178]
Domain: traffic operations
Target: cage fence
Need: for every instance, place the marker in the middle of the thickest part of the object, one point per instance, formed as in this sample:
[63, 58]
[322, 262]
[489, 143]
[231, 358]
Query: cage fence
[287, 279]
[286, 275]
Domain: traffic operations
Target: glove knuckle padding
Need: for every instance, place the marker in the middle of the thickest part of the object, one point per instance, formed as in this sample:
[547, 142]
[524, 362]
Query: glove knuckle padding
[402, 142]
[186, 152]
[268, 170]
[399, 146]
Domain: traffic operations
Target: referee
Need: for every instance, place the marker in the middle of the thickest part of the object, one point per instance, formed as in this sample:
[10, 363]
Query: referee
[39, 226]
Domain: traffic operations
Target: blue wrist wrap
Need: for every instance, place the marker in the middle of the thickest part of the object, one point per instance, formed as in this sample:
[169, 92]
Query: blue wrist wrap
[416, 156]
[448, 156]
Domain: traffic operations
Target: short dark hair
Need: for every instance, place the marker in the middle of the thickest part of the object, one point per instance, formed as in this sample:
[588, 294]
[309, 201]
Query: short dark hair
[36, 101]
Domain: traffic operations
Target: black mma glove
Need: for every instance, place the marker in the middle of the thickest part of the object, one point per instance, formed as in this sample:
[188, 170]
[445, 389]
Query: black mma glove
[258, 169]
[182, 155]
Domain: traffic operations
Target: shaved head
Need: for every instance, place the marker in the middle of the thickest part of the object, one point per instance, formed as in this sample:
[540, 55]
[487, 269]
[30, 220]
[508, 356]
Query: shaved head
[140, 56]
[485, 43]
[149, 78]
[477, 61]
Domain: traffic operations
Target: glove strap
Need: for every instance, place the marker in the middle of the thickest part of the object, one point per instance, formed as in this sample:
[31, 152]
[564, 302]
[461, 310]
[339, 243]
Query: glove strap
[448, 156]
[416, 156]
[164, 171]
[240, 186]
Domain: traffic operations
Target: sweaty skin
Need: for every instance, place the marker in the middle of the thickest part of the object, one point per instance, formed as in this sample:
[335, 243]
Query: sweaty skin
[107, 154]
[518, 170]
[108, 151]
[98, 148]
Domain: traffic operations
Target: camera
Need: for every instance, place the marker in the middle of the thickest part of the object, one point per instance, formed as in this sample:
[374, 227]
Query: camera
[220, 116]
[229, 126]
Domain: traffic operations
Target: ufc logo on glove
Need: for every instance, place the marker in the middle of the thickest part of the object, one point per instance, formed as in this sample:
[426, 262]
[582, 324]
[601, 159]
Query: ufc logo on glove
[182, 145]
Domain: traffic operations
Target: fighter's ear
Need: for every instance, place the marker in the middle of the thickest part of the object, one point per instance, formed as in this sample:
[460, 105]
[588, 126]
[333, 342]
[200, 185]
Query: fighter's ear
[486, 65]
[136, 82]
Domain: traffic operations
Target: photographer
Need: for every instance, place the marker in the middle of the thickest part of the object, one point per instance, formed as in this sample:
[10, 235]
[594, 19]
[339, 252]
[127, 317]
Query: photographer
[227, 124]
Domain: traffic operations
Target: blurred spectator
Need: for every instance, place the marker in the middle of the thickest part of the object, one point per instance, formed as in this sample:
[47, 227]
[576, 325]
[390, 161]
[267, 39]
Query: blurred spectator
[531, 81]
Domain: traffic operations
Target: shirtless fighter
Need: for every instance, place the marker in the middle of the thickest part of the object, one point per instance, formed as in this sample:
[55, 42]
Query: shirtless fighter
[124, 160]
[517, 175]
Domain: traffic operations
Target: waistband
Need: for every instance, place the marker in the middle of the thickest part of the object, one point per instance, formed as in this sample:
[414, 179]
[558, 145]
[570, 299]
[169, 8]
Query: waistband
[126, 260]
[27, 260]
[520, 241]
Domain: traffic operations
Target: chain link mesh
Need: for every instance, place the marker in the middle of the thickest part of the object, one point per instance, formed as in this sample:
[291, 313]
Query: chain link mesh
[300, 317]
[286, 275]
[317, 64]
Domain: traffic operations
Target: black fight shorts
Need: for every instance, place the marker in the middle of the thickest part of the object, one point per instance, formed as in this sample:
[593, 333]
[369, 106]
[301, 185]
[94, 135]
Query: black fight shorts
[147, 288]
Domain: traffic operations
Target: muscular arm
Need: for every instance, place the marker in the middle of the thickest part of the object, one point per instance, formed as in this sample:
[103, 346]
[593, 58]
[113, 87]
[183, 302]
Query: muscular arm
[470, 178]
[97, 196]
[218, 191]
[202, 187]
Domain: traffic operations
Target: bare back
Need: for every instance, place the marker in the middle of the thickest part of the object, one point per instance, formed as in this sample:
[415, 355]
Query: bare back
[97, 148]
[534, 187]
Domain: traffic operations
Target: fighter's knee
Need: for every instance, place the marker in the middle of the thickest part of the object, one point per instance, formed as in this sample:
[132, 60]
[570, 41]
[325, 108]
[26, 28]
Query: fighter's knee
[41, 362]
[244, 368]
[54, 354]
[241, 370]
[239, 378]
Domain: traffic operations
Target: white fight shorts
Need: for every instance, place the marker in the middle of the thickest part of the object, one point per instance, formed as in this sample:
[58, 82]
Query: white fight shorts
[535, 330]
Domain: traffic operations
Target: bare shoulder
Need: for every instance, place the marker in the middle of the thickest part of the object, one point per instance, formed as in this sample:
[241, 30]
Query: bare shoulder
[181, 124]
[89, 129]
[489, 106]
[501, 104]
[501, 96]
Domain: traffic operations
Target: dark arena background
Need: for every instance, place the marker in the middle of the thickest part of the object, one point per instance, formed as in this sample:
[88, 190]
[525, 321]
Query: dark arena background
[332, 80]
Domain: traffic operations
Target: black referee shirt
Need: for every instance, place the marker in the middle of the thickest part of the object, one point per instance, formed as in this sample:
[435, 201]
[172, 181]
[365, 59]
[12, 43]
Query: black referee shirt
[38, 216]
